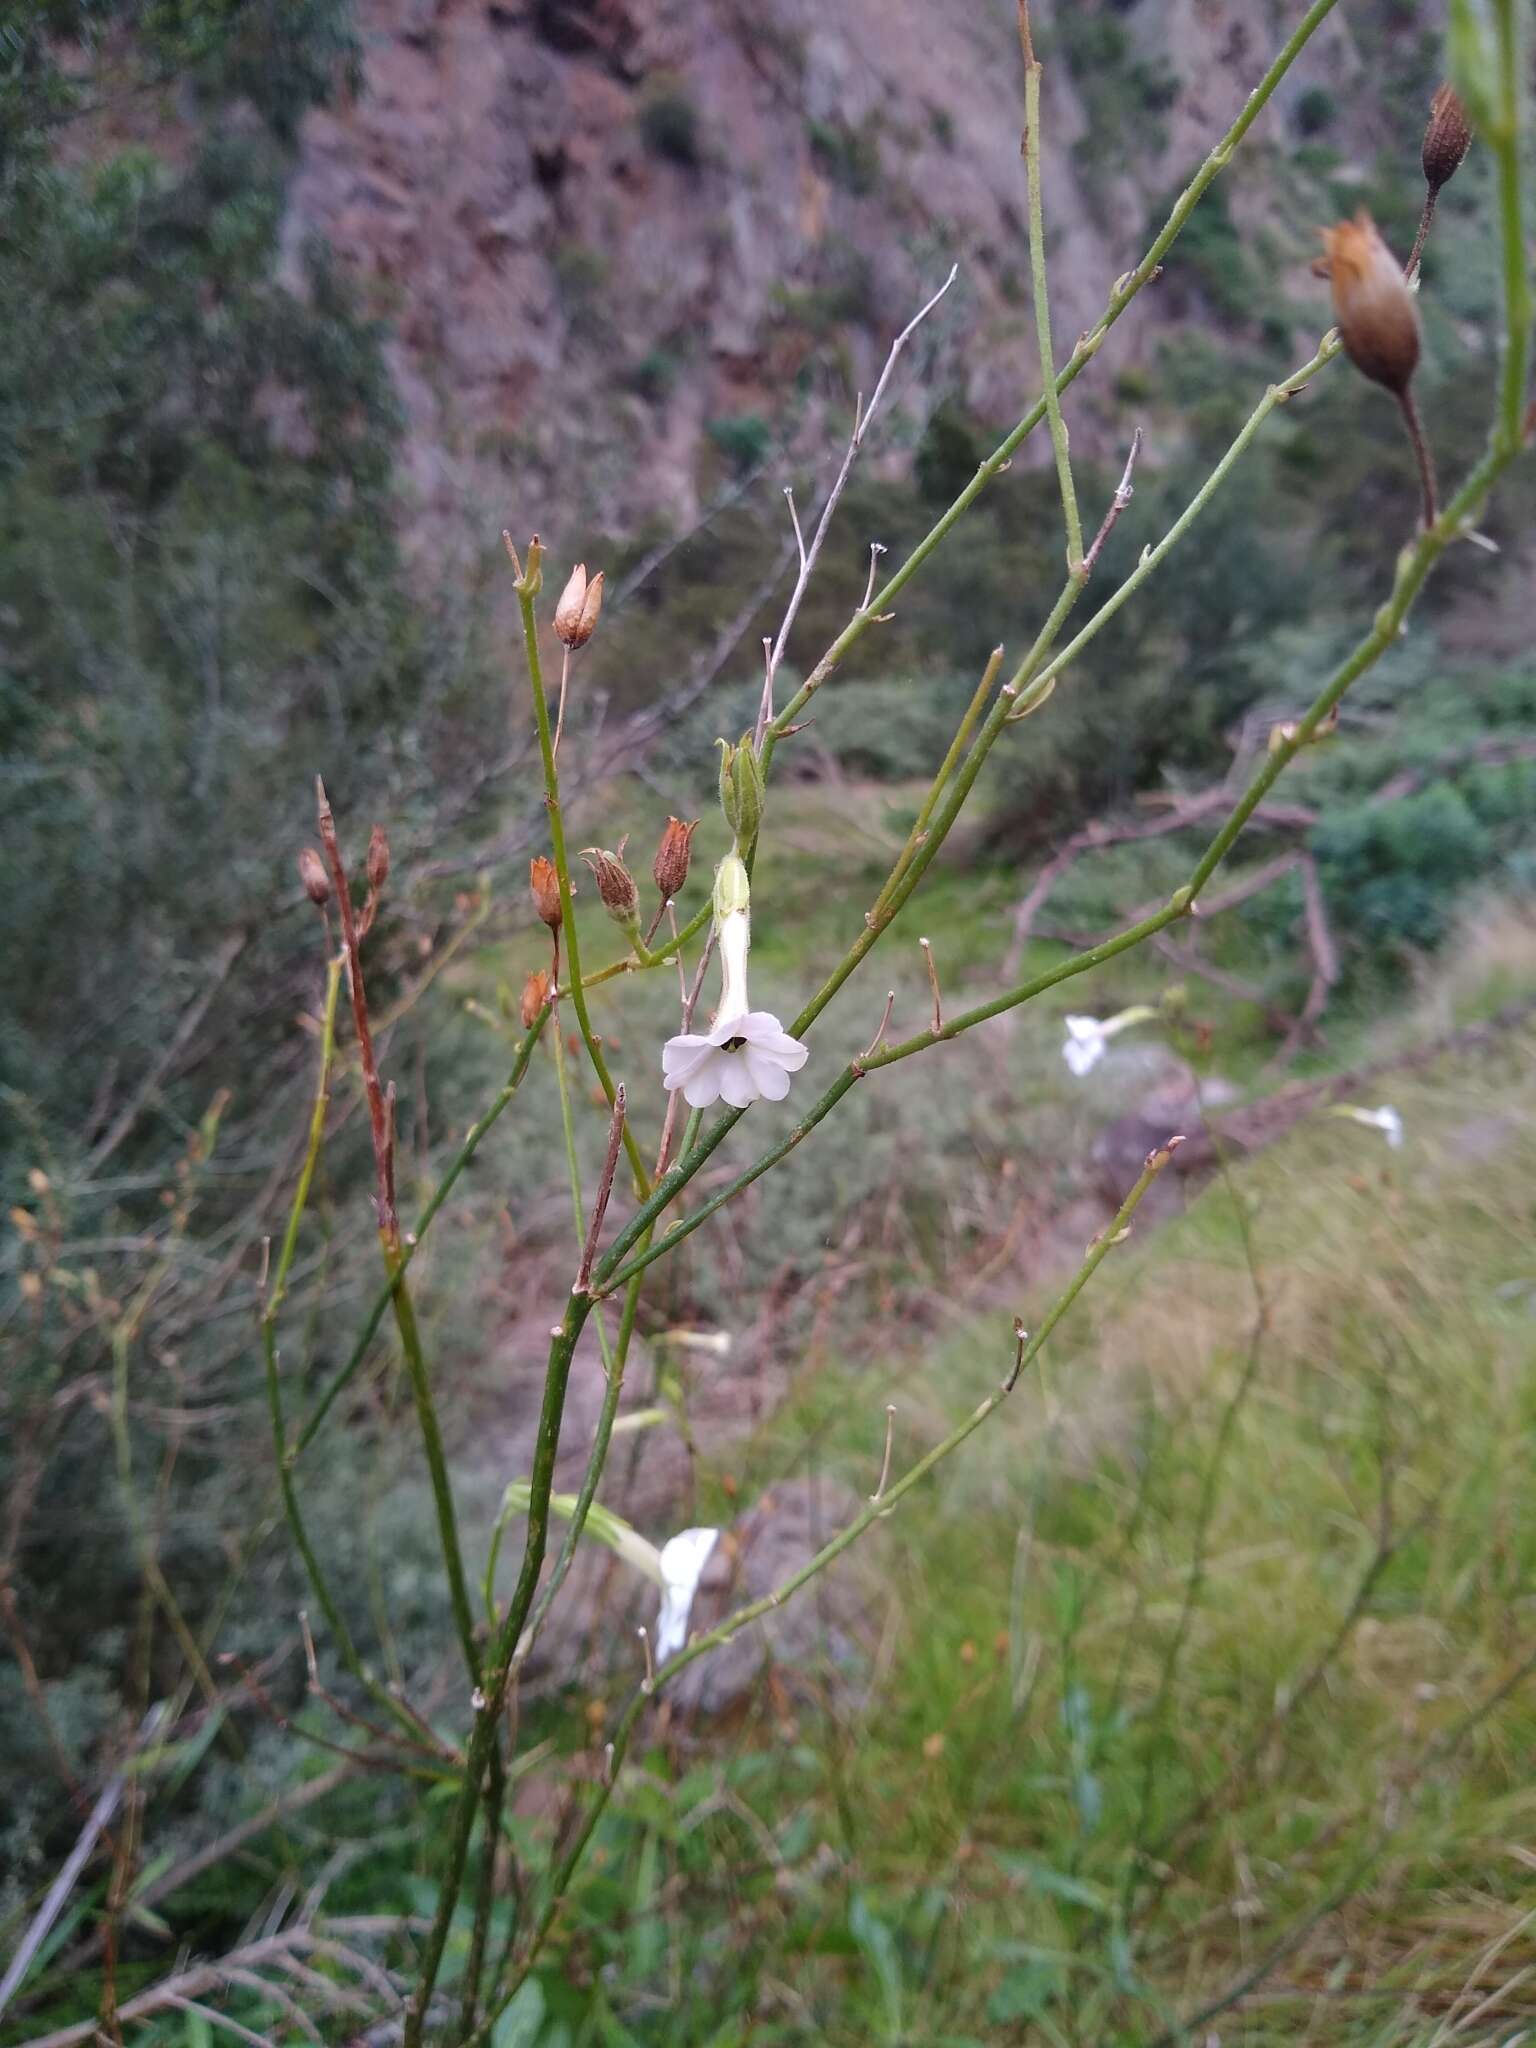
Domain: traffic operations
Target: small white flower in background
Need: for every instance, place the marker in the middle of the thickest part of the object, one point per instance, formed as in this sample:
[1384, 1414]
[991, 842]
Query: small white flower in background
[682, 1566]
[717, 1341]
[1386, 1120]
[1088, 1037]
[748, 1053]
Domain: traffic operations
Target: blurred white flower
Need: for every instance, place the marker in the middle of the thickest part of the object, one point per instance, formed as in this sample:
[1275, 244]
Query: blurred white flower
[682, 1566]
[1088, 1037]
[1386, 1120]
[1086, 1045]
[717, 1341]
[748, 1053]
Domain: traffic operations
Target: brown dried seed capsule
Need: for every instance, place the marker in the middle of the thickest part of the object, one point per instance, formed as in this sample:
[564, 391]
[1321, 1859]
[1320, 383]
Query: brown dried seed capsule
[312, 874]
[1372, 303]
[568, 610]
[580, 602]
[545, 885]
[535, 998]
[591, 607]
[378, 858]
[670, 867]
[615, 884]
[1446, 140]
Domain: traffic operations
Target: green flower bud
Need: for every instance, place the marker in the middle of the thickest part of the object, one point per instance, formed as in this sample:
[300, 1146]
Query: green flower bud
[733, 891]
[741, 790]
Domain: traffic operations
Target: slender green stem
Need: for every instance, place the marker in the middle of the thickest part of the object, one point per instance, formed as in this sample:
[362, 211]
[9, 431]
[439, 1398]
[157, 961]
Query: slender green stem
[573, 1171]
[474, 1966]
[412, 1244]
[1028, 1350]
[526, 593]
[1510, 425]
[1413, 567]
[437, 1466]
[630, 965]
[1125, 290]
[492, 1694]
[592, 1478]
[279, 1284]
[1153, 558]
[313, 1570]
[957, 746]
[1054, 420]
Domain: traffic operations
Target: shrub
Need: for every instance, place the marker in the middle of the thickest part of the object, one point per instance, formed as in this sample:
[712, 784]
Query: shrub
[744, 439]
[669, 124]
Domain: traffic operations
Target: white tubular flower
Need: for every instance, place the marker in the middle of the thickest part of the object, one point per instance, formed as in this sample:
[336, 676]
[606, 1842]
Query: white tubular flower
[1088, 1038]
[1386, 1120]
[682, 1566]
[748, 1053]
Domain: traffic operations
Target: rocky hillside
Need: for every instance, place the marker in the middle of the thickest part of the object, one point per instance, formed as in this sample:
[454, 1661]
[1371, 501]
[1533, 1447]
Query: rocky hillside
[625, 246]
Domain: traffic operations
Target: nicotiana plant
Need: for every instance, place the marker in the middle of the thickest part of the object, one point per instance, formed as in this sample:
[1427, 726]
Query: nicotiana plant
[743, 1054]
[727, 1061]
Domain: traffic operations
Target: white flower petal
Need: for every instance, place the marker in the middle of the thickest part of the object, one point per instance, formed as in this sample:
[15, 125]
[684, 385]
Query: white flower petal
[702, 1086]
[682, 1056]
[682, 1566]
[761, 1028]
[1083, 1055]
[770, 1076]
[736, 1081]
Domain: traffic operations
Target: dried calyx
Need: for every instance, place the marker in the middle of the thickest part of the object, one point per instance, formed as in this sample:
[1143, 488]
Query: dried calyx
[1447, 139]
[669, 870]
[544, 886]
[580, 603]
[615, 884]
[1379, 324]
[312, 874]
[536, 993]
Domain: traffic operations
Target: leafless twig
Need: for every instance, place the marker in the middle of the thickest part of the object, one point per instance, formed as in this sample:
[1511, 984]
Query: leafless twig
[862, 417]
[933, 983]
[604, 1190]
[1117, 504]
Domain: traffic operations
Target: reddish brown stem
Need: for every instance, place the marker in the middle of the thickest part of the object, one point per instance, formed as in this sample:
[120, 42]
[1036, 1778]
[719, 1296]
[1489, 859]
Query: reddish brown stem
[1421, 452]
[1426, 220]
[378, 1113]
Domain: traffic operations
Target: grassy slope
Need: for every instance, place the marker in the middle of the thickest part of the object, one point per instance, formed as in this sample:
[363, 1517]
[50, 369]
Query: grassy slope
[1243, 1607]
